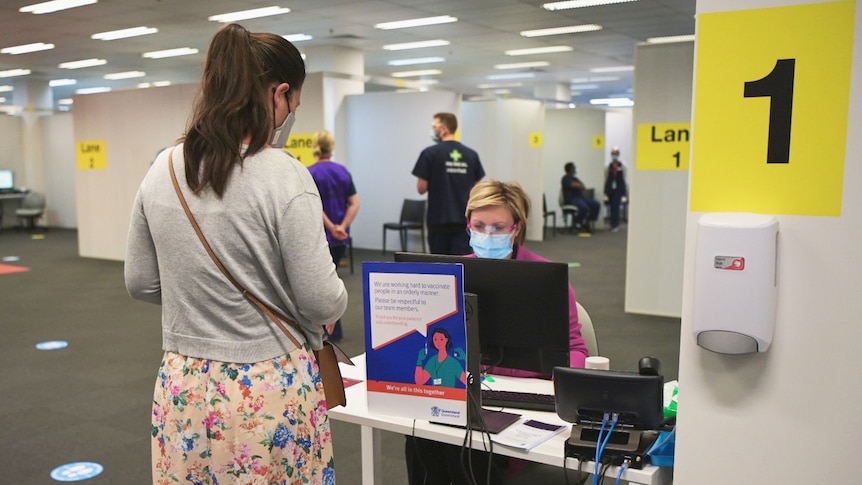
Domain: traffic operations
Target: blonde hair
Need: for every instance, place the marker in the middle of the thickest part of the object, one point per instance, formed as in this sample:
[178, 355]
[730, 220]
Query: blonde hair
[508, 194]
[323, 143]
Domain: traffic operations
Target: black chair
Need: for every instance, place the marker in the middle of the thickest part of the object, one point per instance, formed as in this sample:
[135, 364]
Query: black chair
[547, 214]
[412, 218]
[570, 213]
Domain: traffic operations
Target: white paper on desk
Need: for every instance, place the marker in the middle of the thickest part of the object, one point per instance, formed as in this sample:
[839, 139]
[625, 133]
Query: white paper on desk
[528, 434]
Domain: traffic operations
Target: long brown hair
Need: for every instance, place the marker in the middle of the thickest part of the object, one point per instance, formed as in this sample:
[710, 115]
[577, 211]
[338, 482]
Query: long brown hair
[235, 102]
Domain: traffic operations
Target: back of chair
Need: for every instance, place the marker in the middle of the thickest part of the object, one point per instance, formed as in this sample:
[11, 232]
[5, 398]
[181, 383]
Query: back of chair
[587, 330]
[34, 200]
[413, 211]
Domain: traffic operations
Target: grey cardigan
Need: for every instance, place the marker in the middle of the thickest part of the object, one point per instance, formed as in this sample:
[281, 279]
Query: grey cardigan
[267, 230]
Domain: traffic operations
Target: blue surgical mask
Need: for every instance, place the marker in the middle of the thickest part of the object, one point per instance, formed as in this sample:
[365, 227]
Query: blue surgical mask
[435, 137]
[492, 246]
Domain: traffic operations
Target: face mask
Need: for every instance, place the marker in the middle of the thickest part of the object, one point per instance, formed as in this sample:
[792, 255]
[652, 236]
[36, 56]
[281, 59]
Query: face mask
[282, 133]
[435, 137]
[615, 157]
[492, 246]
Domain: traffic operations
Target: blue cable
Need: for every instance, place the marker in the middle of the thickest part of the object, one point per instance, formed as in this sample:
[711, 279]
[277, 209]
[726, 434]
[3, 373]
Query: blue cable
[599, 448]
[622, 469]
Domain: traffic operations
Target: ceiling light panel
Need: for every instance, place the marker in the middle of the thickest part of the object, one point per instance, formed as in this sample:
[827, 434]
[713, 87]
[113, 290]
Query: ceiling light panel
[182, 51]
[671, 39]
[14, 72]
[581, 4]
[55, 6]
[539, 50]
[416, 45]
[6, 88]
[516, 75]
[26, 48]
[418, 60]
[522, 65]
[421, 72]
[124, 33]
[572, 29]
[420, 22]
[82, 63]
[297, 37]
[124, 75]
[54, 83]
[613, 69]
[248, 14]
[101, 89]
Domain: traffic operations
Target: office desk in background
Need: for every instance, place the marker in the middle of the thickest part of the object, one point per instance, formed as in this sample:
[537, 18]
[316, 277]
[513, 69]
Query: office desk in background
[15, 196]
[550, 452]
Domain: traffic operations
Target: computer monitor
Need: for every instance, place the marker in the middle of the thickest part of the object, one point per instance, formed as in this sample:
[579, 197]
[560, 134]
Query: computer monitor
[583, 396]
[7, 180]
[523, 309]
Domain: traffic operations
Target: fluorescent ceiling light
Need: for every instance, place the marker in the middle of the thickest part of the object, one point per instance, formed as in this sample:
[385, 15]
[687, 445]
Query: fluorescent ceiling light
[670, 39]
[6, 88]
[403, 24]
[26, 48]
[248, 14]
[124, 75]
[418, 60]
[124, 33]
[157, 84]
[595, 79]
[182, 51]
[61, 82]
[297, 37]
[581, 4]
[421, 72]
[539, 50]
[93, 90]
[65, 101]
[613, 69]
[55, 6]
[416, 45]
[584, 86]
[517, 75]
[522, 65]
[614, 102]
[498, 85]
[427, 81]
[82, 63]
[2, 100]
[572, 29]
[14, 72]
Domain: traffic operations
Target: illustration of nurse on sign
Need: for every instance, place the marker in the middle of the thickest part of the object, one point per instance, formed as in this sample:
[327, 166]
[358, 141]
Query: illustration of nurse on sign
[444, 368]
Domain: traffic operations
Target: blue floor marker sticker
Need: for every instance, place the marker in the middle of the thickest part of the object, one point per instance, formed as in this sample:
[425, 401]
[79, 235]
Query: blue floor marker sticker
[52, 345]
[75, 472]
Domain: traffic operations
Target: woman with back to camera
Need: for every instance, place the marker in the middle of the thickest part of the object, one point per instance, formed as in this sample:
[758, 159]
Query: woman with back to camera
[235, 400]
[497, 214]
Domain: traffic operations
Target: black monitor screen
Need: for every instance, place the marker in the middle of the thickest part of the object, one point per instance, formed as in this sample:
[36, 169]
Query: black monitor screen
[7, 180]
[523, 309]
[584, 395]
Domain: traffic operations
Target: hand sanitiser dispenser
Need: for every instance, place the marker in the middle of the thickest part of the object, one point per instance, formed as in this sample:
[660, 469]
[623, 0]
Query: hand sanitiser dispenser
[735, 285]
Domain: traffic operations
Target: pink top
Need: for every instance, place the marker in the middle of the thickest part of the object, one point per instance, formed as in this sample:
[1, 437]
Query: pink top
[577, 347]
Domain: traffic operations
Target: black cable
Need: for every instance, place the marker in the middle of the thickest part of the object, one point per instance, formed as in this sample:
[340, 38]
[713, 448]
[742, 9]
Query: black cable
[419, 454]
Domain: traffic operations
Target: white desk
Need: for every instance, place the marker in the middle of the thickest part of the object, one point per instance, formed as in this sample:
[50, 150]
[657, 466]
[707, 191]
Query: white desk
[550, 453]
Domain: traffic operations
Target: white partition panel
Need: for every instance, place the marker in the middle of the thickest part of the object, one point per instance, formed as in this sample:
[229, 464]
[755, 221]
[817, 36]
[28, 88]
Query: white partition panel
[501, 132]
[384, 134]
[657, 198]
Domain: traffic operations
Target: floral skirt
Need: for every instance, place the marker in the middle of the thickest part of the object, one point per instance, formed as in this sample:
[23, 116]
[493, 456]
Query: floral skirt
[218, 423]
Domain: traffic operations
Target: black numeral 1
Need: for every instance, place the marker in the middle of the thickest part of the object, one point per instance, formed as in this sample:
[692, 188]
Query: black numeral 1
[778, 86]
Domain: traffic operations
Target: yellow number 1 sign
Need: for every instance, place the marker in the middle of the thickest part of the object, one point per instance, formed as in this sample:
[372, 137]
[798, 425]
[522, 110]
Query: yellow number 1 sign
[770, 109]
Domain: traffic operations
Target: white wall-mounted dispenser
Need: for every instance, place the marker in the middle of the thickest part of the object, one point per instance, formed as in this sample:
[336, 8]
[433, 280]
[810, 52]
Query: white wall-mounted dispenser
[735, 284]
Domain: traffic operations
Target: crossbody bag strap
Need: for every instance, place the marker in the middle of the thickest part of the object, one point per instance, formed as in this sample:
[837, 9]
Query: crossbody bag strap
[273, 315]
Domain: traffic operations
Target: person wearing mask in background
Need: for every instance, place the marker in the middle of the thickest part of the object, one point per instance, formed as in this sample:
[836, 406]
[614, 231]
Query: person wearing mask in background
[497, 214]
[235, 400]
[574, 194]
[615, 187]
[447, 171]
[340, 205]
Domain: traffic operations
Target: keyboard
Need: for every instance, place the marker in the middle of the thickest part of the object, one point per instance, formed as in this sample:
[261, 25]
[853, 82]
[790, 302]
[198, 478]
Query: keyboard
[519, 400]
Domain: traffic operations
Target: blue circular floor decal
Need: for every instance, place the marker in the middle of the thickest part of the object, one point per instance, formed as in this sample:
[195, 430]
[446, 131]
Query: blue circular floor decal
[52, 345]
[74, 472]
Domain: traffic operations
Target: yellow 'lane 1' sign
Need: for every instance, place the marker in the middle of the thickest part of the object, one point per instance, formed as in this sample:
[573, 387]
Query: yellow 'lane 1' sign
[770, 109]
[663, 146]
[92, 155]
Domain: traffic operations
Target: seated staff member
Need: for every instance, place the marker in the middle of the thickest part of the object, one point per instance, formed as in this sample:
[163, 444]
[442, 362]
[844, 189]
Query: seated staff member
[497, 215]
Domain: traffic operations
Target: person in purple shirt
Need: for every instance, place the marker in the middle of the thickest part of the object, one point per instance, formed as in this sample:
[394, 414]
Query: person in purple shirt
[497, 215]
[340, 205]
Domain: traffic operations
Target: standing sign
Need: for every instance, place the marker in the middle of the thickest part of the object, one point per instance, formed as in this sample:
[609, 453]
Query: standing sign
[415, 340]
[770, 109]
